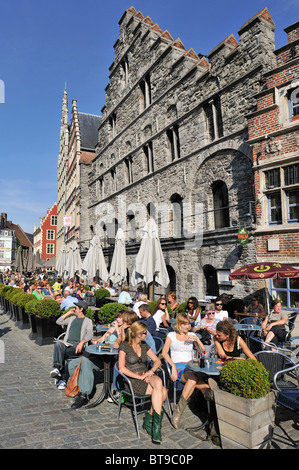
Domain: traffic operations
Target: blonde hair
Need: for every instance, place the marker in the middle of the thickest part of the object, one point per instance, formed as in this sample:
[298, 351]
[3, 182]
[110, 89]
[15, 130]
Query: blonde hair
[126, 288]
[136, 328]
[181, 318]
[172, 294]
[142, 297]
[129, 317]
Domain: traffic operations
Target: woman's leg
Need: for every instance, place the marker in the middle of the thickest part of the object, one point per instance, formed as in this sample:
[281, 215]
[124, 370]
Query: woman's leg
[192, 381]
[158, 393]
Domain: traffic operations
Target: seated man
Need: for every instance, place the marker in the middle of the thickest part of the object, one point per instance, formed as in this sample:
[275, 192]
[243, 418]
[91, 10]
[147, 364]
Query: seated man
[147, 318]
[220, 314]
[78, 332]
[68, 301]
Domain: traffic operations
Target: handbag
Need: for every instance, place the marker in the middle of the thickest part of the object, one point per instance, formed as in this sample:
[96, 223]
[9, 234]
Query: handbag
[72, 388]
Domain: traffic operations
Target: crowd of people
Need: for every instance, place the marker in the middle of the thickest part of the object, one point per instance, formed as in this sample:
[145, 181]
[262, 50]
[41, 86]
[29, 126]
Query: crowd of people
[211, 332]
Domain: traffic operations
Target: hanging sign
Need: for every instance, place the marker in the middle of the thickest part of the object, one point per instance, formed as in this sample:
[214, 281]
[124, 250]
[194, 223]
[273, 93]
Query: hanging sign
[67, 220]
[243, 236]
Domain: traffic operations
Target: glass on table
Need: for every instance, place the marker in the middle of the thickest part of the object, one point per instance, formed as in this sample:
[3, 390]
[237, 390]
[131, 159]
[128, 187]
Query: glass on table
[195, 357]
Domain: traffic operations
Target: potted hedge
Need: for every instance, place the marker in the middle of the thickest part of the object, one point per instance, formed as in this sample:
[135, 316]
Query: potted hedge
[46, 312]
[108, 312]
[101, 295]
[245, 405]
[29, 310]
[11, 297]
[21, 301]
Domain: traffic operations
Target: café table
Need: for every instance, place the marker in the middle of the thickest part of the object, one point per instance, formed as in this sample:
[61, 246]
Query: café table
[102, 328]
[108, 355]
[240, 315]
[212, 368]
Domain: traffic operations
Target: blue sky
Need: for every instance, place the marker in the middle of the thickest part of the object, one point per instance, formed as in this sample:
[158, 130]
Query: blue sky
[45, 44]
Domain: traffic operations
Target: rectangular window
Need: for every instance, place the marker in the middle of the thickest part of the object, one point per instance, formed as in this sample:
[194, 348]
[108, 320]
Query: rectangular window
[146, 97]
[50, 248]
[287, 290]
[50, 234]
[272, 178]
[291, 174]
[274, 208]
[293, 205]
[173, 142]
[53, 219]
[214, 119]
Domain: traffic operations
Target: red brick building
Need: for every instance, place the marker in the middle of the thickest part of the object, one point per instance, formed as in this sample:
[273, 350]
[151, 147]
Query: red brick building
[274, 137]
[45, 235]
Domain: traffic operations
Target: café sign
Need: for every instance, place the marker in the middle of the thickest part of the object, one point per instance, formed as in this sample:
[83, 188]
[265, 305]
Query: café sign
[243, 236]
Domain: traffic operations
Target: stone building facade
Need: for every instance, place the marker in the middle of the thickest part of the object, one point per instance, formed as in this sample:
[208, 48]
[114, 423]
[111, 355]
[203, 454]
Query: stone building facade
[173, 142]
[77, 149]
[274, 138]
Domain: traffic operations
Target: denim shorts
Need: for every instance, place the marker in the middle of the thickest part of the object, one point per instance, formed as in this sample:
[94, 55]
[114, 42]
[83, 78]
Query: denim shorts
[181, 367]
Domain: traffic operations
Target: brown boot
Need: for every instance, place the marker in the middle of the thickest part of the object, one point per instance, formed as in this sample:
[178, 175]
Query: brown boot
[178, 411]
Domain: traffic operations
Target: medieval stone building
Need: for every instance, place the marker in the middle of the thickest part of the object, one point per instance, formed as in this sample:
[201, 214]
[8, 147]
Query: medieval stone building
[173, 142]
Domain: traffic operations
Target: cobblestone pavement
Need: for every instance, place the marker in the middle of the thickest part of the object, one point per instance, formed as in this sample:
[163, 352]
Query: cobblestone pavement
[34, 414]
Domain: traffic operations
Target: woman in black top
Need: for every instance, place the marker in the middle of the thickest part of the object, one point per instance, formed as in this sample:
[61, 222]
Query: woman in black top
[228, 344]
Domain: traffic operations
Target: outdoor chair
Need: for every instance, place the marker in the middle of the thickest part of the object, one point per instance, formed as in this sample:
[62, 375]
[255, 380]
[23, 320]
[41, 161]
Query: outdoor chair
[176, 386]
[276, 362]
[136, 403]
[159, 344]
[251, 321]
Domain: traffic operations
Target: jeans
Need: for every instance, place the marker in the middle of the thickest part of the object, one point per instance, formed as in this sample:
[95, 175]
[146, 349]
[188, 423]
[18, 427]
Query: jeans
[60, 355]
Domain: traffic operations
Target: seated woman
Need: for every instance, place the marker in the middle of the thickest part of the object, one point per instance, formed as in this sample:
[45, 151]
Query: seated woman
[172, 301]
[180, 344]
[124, 296]
[132, 361]
[206, 326]
[274, 326]
[193, 310]
[229, 345]
[255, 307]
[161, 316]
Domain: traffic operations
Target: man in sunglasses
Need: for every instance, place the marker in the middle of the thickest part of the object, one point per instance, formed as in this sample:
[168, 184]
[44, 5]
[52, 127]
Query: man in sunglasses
[219, 313]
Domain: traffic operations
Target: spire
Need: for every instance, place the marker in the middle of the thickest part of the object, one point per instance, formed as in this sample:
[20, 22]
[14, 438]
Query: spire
[64, 119]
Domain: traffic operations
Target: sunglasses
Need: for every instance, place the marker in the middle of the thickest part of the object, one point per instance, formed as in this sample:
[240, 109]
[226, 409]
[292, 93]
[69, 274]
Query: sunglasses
[190, 302]
[211, 313]
[163, 303]
[144, 332]
[218, 303]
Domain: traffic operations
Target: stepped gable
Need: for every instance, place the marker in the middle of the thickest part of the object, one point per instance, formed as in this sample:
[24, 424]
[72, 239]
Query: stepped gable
[264, 14]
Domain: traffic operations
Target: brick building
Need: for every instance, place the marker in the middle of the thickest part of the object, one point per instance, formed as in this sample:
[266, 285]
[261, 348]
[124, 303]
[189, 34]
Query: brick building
[274, 137]
[173, 142]
[44, 236]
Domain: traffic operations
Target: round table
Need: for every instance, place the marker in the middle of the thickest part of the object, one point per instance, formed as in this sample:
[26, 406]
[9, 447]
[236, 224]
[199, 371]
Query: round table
[210, 369]
[108, 357]
[102, 328]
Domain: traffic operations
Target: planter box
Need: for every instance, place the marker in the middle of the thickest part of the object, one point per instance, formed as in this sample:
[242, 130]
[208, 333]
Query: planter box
[245, 423]
[47, 330]
[23, 322]
[33, 333]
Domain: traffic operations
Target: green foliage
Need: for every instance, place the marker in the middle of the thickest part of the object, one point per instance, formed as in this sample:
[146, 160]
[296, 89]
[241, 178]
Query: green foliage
[7, 291]
[108, 312]
[31, 305]
[12, 296]
[86, 288]
[101, 293]
[182, 307]
[245, 378]
[22, 298]
[47, 308]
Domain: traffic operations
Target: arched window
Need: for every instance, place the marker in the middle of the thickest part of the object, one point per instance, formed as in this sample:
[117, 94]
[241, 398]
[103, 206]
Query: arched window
[220, 204]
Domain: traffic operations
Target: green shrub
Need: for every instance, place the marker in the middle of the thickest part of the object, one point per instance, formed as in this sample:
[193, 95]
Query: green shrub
[101, 293]
[23, 299]
[182, 307]
[245, 378]
[108, 312]
[86, 288]
[12, 296]
[7, 291]
[47, 308]
[31, 305]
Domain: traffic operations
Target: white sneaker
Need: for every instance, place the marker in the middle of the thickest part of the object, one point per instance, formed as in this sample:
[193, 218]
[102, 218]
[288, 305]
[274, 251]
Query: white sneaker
[61, 385]
[55, 373]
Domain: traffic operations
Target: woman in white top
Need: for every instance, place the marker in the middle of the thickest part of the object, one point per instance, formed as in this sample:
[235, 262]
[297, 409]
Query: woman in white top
[180, 344]
[160, 314]
[142, 299]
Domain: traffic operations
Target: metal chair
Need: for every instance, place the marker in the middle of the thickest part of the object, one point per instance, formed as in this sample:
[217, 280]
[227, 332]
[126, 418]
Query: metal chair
[132, 401]
[274, 362]
[177, 386]
[159, 344]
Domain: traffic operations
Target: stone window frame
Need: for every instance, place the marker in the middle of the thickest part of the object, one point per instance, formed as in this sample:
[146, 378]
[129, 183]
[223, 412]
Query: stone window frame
[54, 220]
[50, 235]
[293, 99]
[146, 95]
[214, 122]
[173, 143]
[283, 190]
[50, 249]
[149, 157]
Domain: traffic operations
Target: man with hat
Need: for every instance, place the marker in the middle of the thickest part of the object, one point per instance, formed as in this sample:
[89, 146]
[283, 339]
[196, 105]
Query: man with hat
[79, 331]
